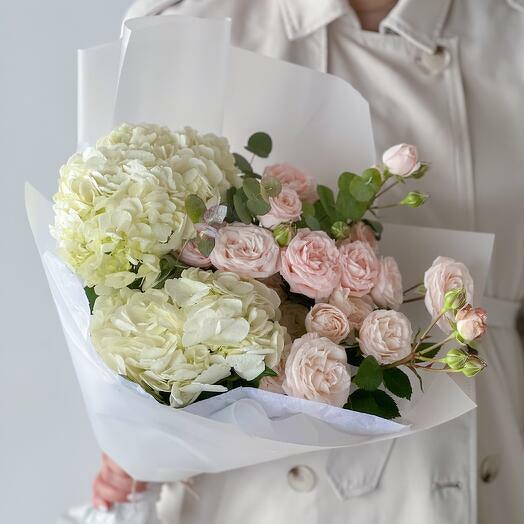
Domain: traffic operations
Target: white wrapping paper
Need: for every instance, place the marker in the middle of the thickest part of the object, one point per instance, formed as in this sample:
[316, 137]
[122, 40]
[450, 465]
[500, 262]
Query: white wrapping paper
[181, 71]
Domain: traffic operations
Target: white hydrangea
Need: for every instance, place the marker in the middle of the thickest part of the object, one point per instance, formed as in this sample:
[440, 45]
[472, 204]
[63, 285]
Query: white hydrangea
[186, 337]
[120, 205]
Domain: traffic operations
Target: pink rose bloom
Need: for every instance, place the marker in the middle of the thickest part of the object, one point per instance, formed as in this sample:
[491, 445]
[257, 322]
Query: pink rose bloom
[386, 335]
[317, 369]
[274, 384]
[444, 275]
[285, 207]
[356, 309]
[401, 159]
[471, 322]
[388, 290]
[191, 256]
[310, 264]
[290, 176]
[328, 321]
[359, 267]
[247, 250]
[361, 231]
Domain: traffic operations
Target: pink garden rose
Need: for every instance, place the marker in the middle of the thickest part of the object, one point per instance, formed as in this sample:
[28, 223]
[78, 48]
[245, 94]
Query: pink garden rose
[290, 176]
[285, 207]
[388, 290]
[328, 321]
[310, 264]
[248, 250]
[359, 267]
[386, 335]
[444, 275]
[317, 369]
[401, 159]
[471, 322]
[191, 256]
[361, 231]
[356, 309]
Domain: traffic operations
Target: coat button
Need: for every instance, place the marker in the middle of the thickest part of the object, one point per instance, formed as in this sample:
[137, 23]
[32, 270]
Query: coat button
[489, 468]
[302, 478]
[434, 63]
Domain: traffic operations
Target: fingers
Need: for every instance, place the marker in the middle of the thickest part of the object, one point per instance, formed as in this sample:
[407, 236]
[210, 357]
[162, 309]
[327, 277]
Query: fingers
[113, 485]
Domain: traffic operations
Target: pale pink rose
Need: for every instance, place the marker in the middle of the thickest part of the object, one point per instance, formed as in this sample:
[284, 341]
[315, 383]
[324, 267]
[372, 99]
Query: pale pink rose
[290, 176]
[361, 231]
[248, 250]
[293, 318]
[328, 321]
[285, 207]
[191, 256]
[386, 335]
[388, 290]
[401, 159]
[471, 322]
[359, 267]
[310, 264]
[356, 309]
[444, 275]
[317, 369]
[274, 384]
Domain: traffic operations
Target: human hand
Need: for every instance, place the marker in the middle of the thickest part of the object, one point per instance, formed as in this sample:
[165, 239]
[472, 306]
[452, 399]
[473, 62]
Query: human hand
[113, 485]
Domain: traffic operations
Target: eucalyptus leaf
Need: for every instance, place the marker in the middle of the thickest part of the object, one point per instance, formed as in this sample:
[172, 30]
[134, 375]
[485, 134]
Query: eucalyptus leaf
[205, 245]
[348, 208]
[195, 208]
[344, 181]
[260, 144]
[251, 187]
[372, 177]
[271, 187]
[312, 222]
[258, 206]
[239, 202]
[242, 163]
[231, 212]
[91, 297]
[327, 199]
[361, 190]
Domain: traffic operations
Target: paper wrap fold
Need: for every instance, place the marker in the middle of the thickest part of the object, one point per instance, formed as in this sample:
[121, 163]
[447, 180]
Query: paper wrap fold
[182, 71]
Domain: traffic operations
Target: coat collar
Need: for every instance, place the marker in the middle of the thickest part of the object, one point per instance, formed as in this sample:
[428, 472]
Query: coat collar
[418, 21]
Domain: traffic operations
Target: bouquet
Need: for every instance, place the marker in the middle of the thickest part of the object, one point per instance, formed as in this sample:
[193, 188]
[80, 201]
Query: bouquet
[226, 309]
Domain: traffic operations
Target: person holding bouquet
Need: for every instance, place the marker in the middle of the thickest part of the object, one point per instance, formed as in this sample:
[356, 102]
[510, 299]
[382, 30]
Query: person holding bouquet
[432, 73]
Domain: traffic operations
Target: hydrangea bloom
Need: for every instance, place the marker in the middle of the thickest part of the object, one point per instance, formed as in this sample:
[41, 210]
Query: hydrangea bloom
[120, 205]
[186, 337]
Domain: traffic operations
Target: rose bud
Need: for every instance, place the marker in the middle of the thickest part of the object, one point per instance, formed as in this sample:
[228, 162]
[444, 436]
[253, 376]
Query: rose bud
[456, 358]
[401, 160]
[473, 366]
[414, 199]
[455, 299]
[471, 323]
[340, 230]
[284, 233]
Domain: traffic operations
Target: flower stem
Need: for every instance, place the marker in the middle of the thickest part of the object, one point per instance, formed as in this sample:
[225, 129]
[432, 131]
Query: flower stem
[380, 193]
[414, 299]
[438, 344]
[412, 288]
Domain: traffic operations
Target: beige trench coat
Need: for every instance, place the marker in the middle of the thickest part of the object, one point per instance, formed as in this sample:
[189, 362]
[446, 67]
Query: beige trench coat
[447, 75]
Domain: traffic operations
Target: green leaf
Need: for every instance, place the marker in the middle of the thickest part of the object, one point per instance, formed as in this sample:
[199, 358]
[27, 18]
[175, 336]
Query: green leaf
[361, 190]
[369, 374]
[344, 181]
[195, 208]
[430, 354]
[258, 206]
[349, 208]
[397, 382]
[377, 403]
[170, 267]
[271, 187]
[420, 172]
[239, 202]
[205, 245]
[327, 199]
[308, 209]
[231, 213]
[255, 383]
[312, 222]
[91, 297]
[242, 164]
[251, 187]
[260, 144]
[372, 177]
